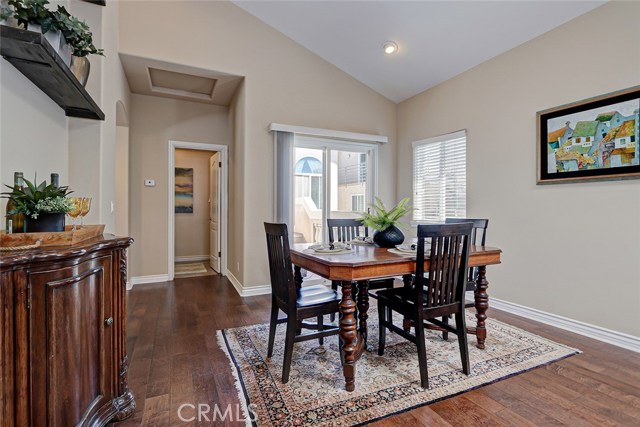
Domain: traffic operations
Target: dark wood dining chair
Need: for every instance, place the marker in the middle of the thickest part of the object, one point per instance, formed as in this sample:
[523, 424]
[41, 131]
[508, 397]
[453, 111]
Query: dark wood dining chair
[478, 237]
[296, 303]
[344, 230]
[440, 293]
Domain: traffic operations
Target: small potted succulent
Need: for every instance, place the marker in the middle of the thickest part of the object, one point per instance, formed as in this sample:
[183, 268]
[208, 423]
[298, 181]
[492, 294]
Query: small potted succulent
[385, 223]
[44, 206]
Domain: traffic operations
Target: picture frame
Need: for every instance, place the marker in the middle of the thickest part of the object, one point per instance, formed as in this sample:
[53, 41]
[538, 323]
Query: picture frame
[590, 140]
[184, 190]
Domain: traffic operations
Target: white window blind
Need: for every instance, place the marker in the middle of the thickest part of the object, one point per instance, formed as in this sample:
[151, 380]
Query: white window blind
[440, 177]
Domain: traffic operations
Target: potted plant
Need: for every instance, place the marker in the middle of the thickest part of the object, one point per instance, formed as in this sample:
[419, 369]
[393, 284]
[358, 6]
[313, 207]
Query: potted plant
[44, 206]
[79, 36]
[385, 223]
[35, 16]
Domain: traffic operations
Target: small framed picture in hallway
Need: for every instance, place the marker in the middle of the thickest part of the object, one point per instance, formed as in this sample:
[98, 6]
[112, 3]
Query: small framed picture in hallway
[184, 190]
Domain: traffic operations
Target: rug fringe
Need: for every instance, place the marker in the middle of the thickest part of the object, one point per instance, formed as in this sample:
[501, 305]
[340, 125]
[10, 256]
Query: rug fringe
[237, 382]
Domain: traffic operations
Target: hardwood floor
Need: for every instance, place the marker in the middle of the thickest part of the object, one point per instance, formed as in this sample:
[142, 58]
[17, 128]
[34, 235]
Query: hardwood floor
[174, 359]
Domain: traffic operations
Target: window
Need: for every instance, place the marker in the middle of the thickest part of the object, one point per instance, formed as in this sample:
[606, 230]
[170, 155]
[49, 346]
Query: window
[440, 177]
[357, 202]
[332, 179]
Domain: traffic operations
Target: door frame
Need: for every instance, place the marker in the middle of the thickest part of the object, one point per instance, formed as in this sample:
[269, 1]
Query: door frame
[224, 196]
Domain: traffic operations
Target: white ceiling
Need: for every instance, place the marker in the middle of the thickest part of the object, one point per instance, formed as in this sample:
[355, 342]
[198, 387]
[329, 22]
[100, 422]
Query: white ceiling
[437, 39]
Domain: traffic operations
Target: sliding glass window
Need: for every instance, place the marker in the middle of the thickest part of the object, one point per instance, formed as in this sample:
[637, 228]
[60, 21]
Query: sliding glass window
[332, 179]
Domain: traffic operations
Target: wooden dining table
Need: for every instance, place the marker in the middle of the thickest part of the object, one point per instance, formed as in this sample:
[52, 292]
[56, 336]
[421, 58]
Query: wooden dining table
[366, 262]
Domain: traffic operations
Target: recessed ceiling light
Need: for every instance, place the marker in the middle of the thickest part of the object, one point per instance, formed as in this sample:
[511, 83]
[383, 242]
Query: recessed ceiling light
[390, 47]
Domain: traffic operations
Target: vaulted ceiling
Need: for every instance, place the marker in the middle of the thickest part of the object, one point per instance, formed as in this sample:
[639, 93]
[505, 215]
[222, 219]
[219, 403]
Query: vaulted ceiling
[437, 39]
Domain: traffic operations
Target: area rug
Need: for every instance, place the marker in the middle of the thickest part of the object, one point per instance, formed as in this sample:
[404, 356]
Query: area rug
[385, 385]
[190, 268]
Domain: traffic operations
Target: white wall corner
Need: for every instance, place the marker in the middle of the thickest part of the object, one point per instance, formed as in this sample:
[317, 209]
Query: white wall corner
[247, 291]
[619, 339]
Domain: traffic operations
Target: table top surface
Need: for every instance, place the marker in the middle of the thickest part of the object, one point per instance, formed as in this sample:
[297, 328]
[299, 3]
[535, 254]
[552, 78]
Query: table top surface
[364, 255]
[367, 262]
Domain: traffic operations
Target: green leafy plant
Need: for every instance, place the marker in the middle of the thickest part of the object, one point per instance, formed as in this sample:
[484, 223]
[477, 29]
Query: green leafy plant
[33, 12]
[32, 200]
[75, 31]
[381, 219]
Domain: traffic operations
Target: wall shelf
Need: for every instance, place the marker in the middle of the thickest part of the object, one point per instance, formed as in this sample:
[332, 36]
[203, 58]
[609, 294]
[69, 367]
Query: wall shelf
[34, 57]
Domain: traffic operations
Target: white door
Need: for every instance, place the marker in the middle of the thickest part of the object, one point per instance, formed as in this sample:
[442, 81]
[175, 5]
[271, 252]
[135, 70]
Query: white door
[214, 212]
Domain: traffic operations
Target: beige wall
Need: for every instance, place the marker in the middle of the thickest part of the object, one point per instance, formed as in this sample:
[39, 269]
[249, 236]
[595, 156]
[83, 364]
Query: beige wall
[192, 229]
[154, 121]
[571, 249]
[24, 146]
[284, 83]
[122, 181]
[35, 135]
[236, 184]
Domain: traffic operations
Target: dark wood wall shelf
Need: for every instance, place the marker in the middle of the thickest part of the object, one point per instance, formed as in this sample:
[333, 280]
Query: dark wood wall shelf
[34, 57]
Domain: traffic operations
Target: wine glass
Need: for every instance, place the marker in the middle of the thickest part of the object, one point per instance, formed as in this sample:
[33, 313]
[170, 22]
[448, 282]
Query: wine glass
[86, 207]
[77, 208]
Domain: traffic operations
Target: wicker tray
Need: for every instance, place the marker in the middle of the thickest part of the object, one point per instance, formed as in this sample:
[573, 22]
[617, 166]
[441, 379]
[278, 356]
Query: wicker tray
[64, 238]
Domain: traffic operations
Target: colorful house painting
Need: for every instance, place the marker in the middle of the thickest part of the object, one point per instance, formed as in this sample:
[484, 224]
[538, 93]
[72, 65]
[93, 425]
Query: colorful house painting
[609, 139]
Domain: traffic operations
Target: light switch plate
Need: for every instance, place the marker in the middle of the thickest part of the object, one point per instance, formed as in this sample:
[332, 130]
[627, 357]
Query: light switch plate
[149, 182]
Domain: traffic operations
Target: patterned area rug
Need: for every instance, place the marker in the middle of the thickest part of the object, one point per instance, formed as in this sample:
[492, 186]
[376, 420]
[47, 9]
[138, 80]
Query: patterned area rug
[385, 385]
[187, 269]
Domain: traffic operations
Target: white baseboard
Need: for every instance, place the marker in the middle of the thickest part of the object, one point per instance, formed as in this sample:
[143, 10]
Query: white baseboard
[192, 258]
[141, 280]
[248, 291]
[619, 339]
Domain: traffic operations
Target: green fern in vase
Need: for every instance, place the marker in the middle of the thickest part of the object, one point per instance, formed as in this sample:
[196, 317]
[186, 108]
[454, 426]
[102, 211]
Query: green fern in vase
[381, 219]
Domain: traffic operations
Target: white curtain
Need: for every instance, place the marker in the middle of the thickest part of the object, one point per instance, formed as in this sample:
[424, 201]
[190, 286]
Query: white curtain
[284, 178]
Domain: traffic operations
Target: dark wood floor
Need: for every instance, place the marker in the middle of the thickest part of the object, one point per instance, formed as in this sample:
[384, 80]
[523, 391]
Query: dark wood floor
[175, 360]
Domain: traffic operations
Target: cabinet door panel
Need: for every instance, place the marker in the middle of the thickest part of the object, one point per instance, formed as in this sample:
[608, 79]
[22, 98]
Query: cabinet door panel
[76, 342]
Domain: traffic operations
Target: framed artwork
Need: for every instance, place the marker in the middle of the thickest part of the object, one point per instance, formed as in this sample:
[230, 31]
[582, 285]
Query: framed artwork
[184, 190]
[593, 139]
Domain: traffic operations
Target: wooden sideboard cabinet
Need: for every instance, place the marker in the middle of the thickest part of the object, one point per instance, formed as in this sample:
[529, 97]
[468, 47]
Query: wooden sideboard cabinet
[62, 335]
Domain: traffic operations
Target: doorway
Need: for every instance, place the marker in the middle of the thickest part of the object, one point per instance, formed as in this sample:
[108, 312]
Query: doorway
[197, 195]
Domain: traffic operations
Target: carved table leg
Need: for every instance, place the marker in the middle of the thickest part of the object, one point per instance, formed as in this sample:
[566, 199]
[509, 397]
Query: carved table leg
[348, 335]
[407, 279]
[482, 305]
[297, 278]
[363, 307]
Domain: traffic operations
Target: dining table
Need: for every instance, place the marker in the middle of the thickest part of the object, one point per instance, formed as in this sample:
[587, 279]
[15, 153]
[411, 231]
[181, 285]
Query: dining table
[354, 268]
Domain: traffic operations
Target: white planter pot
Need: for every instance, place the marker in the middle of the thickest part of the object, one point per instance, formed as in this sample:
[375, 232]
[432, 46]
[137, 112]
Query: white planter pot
[56, 40]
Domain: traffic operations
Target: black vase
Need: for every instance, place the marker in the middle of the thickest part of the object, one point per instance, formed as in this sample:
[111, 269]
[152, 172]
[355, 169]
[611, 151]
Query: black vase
[44, 222]
[388, 238]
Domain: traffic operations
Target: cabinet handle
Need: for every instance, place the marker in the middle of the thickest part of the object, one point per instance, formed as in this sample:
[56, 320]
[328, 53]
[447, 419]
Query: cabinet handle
[109, 321]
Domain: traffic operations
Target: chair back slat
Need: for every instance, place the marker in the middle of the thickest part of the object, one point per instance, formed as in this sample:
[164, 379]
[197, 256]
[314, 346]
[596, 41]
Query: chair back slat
[280, 266]
[449, 259]
[478, 236]
[343, 230]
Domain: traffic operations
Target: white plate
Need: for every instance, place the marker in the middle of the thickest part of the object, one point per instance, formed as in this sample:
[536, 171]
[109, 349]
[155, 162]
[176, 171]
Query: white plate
[407, 248]
[329, 251]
